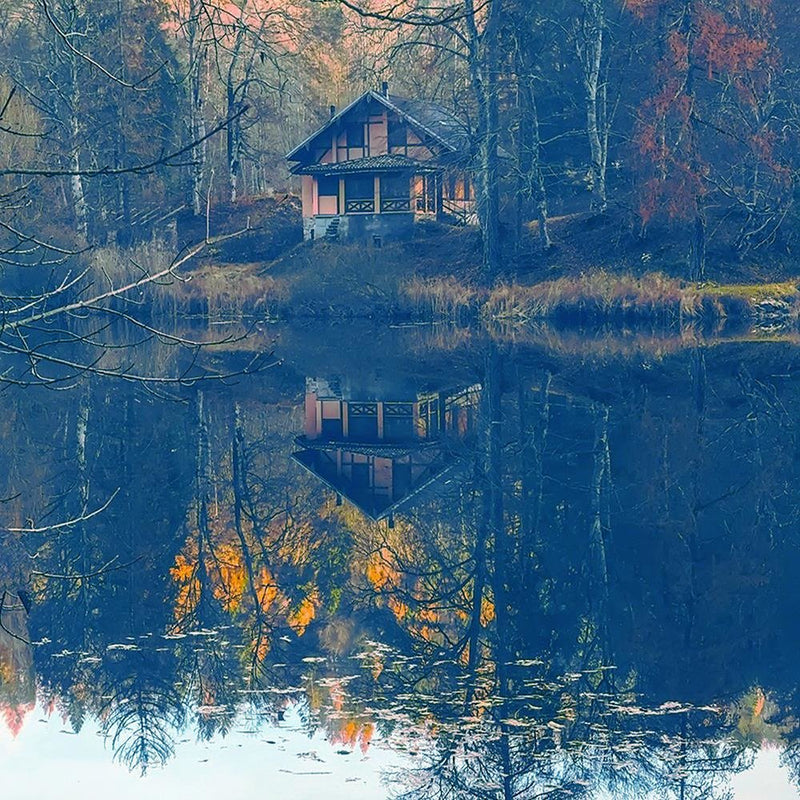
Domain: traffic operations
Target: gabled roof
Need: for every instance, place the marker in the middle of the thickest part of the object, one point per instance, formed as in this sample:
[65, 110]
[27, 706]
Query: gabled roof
[384, 163]
[372, 505]
[428, 117]
[434, 119]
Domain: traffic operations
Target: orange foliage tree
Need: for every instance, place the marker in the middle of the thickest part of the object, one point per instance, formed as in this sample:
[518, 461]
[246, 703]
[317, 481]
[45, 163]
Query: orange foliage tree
[707, 132]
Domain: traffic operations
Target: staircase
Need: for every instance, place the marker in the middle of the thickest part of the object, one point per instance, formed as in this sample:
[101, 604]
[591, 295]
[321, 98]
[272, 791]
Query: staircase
[332, 231]
[454, 213]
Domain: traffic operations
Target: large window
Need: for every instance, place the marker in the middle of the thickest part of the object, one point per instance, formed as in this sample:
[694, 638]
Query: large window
[355, 135]
[395, 186]
[359, 187]
[397, 131]
[359, 194]
[395, 193]
[328, 186]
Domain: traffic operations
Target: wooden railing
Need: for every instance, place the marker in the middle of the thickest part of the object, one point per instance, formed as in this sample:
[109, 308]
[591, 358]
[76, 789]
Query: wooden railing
[395, 204]
[459, 212]
[398, 409]
[362, 409]
[359, 207]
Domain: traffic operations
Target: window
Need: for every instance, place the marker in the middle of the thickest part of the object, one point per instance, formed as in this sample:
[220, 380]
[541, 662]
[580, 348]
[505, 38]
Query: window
[360, 476]
[395, 193]
[398, 132]
[328, 186]
[359, 187]
[395, 186]
[355, 135]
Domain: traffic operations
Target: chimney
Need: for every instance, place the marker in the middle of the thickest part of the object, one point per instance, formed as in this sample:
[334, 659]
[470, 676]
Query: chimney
[385, 89]
[333, 111]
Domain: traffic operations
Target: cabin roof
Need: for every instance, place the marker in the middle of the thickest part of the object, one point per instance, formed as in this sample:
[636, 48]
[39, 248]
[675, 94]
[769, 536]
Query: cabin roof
[377, 449]
[429, 117]
[383, 163]
[375, 507]
[434, 119]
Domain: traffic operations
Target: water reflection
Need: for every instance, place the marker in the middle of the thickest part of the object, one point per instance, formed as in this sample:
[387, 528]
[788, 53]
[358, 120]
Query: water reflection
[542, 574]
[380, 449]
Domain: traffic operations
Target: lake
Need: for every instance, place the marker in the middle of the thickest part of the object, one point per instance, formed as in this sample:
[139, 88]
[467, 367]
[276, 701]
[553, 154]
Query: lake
[430, 562]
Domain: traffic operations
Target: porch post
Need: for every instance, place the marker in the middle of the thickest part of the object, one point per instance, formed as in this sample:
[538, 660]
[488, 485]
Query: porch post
[341, 208]
[376, 193]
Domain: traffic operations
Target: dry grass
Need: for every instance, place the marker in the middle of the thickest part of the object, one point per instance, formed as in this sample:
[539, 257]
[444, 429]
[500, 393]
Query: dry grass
[352, 281]
[440, 298]
[233, 291]
[214, 291]
[596, 295]
[601, 296]
[637, 342]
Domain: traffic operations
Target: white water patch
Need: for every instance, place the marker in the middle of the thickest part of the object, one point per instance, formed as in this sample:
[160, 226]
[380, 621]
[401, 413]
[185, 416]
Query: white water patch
[47, 759]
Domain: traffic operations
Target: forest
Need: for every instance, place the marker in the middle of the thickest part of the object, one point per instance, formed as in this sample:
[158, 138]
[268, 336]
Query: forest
[586, 586]
[676, 115]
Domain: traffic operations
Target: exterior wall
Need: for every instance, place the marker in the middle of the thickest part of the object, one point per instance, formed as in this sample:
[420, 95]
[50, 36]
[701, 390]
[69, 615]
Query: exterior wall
[310, 427]
[378, 135]
[308, 195]
[382, 477]
[413, 147]
[328, 205]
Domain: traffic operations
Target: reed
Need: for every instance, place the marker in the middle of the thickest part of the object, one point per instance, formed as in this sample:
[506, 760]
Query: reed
[602, 296]
[440, 298]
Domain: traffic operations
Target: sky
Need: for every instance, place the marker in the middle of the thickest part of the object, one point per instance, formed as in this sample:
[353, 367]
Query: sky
[47, 760]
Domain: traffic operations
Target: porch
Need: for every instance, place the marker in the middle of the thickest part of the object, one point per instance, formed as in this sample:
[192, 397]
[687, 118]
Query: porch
[380, 196]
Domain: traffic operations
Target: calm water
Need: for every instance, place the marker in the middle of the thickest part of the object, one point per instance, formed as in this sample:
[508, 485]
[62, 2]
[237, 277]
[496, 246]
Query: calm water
[417, 562]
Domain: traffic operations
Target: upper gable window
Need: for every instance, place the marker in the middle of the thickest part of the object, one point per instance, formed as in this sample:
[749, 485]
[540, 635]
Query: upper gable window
[355, 135]
[397, 131]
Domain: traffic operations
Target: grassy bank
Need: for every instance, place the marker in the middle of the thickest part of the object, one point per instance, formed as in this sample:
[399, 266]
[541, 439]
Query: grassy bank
[437, 276]
[605, 297]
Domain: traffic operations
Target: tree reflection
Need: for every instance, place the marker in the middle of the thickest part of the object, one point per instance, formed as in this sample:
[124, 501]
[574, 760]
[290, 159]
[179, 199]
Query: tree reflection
[595, 594]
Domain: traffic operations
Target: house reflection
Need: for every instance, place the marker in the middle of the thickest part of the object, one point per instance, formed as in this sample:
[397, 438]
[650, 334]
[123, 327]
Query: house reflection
[380, 449]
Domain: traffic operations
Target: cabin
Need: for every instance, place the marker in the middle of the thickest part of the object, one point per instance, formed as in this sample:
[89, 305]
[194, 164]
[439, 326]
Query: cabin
[380, 453]
[382, 164]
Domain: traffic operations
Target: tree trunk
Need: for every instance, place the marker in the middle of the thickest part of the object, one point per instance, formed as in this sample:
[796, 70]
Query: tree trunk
[530, 156]
[484, 64]
[490, 161]
[76, 179]
[197, 124]
[590, 50]
[697, 247]
[233, 145]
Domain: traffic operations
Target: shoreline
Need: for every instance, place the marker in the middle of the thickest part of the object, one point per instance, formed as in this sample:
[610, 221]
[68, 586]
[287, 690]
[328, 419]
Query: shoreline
[437, 275]
[592, 299]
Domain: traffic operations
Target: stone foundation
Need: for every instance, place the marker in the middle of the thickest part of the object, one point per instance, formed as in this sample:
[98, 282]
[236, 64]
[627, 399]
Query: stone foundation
[367, 228]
